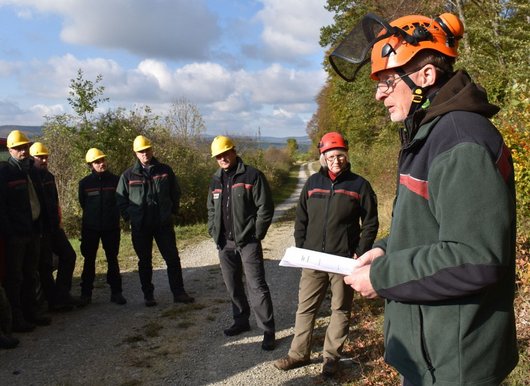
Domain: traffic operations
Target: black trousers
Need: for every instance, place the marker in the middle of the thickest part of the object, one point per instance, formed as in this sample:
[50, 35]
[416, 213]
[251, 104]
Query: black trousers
[5, 313]
[56, 242]
[164, 236]
[22, 261]
[89, 246]
[248, 260]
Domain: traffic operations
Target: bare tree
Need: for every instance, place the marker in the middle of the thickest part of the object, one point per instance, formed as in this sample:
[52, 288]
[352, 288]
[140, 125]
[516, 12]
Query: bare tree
[184, 119]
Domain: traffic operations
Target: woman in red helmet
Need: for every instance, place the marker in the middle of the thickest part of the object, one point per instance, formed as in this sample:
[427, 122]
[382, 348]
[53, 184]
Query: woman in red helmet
[447, 268]
[336, 214]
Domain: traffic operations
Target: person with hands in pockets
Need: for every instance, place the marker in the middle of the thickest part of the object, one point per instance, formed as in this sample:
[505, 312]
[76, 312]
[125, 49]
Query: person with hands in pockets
[240, 211]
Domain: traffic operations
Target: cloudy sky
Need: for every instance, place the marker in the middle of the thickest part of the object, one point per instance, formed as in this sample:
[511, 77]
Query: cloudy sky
[247, 64]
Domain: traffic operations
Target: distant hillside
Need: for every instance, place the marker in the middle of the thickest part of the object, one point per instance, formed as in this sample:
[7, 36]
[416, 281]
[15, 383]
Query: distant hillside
[30, 131]
[264, 142]
[303, 141]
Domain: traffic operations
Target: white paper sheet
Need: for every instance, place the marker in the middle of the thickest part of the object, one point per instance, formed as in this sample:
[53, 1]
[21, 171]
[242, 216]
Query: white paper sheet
[305, 258]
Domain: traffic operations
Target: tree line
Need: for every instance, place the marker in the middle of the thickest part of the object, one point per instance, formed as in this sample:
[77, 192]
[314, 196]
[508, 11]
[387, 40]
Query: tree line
[494, 50]
[177, 139]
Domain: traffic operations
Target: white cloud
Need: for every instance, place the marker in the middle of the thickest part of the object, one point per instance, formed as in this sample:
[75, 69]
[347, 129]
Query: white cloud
[146, 28]
[233, 93]
[292, 27]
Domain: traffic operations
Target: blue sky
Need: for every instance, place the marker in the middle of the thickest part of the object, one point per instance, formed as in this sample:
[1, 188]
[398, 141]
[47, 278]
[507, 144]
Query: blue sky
[247, 64]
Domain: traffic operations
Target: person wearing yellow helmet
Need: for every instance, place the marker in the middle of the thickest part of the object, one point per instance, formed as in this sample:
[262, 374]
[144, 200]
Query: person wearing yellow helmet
[447, 267]
[149, 198]
[56, 290]
[240, 211]
[21, 225]
[100, 222]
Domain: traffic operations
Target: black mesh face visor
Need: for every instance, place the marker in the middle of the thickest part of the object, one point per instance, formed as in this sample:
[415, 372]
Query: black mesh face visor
[354, 51]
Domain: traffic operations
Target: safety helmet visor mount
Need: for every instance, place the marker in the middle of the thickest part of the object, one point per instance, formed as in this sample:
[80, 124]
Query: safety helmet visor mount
[354, 51]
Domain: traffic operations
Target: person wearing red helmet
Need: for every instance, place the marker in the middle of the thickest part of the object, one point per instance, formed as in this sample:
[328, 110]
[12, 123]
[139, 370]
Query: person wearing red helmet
[336, 214]
[447, 267]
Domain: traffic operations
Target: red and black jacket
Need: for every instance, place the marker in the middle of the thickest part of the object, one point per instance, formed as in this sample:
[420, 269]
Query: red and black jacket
[337, 217]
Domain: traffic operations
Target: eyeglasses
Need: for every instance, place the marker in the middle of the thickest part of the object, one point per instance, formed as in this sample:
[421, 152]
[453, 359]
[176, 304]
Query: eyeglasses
[385, 85]
[332, 158]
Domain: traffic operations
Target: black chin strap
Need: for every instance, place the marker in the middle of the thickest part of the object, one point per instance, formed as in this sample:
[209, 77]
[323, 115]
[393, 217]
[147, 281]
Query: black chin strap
[418, 93]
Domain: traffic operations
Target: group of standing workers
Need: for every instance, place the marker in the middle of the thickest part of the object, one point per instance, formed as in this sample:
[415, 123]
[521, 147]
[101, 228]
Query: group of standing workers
[147, 195]
[446, 269]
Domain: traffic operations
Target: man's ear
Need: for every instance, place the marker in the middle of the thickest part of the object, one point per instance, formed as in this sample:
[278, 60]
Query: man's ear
[427, 76]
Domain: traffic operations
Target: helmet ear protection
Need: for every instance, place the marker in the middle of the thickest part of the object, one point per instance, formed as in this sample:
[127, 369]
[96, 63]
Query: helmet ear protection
[452, 26]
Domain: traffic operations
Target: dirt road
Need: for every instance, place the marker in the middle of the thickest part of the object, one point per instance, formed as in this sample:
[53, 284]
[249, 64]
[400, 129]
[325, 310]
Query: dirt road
[171, 344]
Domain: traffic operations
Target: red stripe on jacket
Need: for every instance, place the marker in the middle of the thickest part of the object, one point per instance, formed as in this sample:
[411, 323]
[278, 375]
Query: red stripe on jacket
[246, 186]
[419, 187]
[338, 191]
[503, 163]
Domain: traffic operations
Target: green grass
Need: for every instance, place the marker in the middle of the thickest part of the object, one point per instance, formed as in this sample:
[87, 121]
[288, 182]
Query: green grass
[186, 236]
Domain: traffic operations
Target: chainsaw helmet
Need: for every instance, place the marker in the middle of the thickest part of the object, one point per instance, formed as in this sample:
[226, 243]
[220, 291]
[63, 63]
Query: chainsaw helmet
[394, 44]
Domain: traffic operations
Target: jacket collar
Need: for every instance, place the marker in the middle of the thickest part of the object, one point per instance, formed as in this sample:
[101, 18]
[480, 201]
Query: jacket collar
[240, 168]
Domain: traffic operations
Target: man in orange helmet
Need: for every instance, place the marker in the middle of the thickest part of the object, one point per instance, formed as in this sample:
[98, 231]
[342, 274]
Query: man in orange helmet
[447, 268]
[337, 214]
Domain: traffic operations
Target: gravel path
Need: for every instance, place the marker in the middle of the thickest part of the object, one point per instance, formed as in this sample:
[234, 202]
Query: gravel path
[171, 344]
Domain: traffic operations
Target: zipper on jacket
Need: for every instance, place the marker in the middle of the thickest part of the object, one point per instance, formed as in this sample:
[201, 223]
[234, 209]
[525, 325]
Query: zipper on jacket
[424, 350]
[331, 193]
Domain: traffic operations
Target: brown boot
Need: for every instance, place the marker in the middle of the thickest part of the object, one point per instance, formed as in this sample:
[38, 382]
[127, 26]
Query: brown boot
[288, 363]
[330, 367]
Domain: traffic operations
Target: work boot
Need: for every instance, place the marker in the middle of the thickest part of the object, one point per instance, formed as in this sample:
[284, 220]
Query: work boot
[7, 341]
[20, 324]
[150, 300]
[65, 302]
[288, 363]
[39, 319]
[236, 329]
[330, 367]
[269, 341]
[85, 300]
[118, 298]
[183, 298]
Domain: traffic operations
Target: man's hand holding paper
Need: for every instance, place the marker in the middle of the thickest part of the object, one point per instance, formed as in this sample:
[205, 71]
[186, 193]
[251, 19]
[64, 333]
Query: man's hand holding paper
[359, 278]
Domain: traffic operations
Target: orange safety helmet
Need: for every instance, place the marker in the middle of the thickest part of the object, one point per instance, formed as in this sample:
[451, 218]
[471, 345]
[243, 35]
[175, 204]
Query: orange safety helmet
[394, 44]
[332, 140]
[440, 34]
